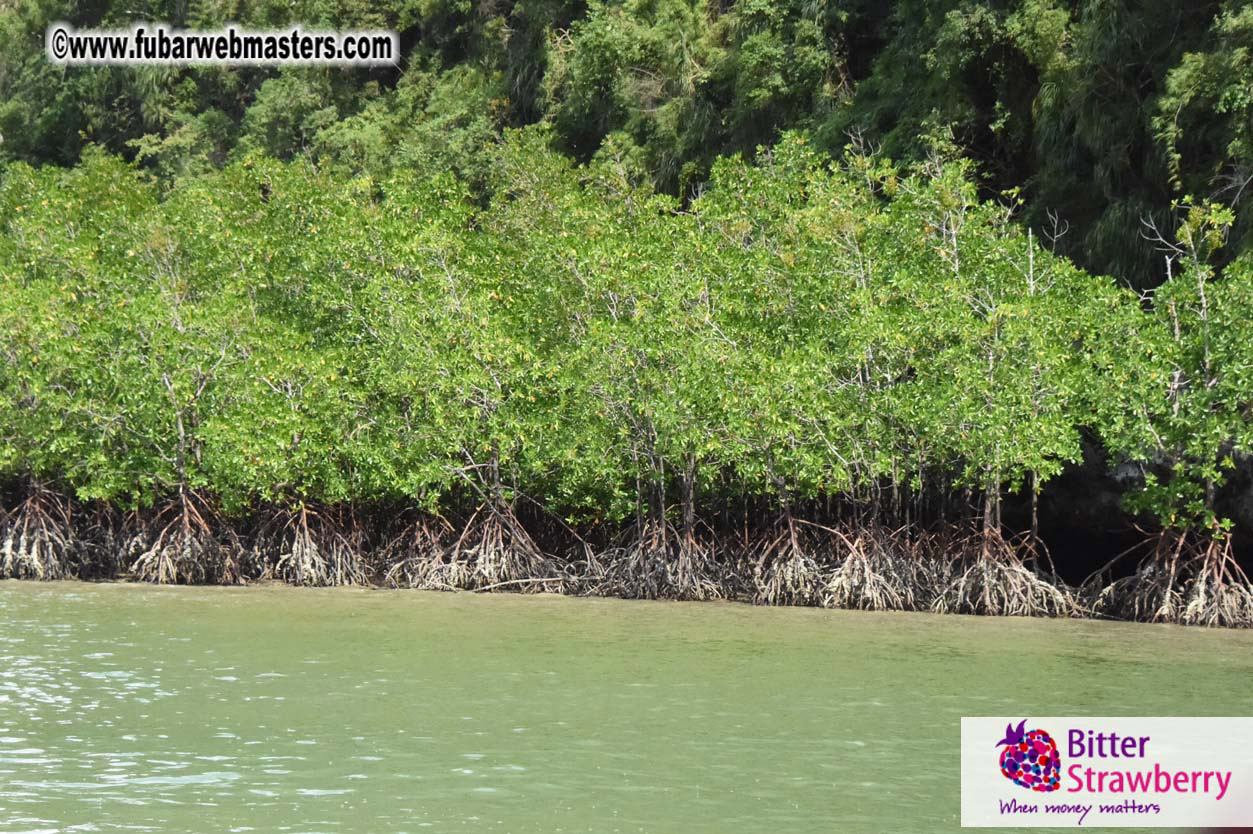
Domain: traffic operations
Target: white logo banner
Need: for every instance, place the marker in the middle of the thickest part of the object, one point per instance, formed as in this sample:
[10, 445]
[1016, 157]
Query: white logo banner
[1051, 771]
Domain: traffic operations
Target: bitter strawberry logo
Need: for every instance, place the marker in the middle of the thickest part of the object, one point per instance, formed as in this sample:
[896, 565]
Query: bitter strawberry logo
[1030, 758]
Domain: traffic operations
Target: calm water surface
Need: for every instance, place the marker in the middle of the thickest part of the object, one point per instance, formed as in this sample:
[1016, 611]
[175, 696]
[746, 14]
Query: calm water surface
[136, 708]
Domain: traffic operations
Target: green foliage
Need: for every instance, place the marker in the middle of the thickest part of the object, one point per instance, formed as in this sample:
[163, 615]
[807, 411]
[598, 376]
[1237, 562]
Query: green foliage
[674, 85]
[1204, 118]
[1199, 398]
[274, 333]
[1099, 114]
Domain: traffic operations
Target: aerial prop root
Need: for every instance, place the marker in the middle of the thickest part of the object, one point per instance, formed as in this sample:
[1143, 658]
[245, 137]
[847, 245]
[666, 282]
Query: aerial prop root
[990, 576]
[37, 538]
[101, 536]
[655, 560]
[494, 550]
[1186, 577]
[877, 569]
[1220, 593]
[185, 540]
[695, 572]
[304, 545]
[415, 554]
[785, 566]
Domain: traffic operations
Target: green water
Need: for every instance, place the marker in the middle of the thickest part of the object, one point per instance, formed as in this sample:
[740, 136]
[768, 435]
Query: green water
[276, 709]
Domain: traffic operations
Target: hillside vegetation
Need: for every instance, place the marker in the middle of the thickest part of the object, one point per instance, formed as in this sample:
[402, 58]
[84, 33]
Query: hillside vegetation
[1099, 113]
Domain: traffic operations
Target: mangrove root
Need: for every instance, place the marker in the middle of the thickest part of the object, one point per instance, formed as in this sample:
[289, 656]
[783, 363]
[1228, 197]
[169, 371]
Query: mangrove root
[180, 544]
[878, 572]
[414, 554]
[991, 577]
[493, 551]
[37, 539]
[307, 547]
[1183, 579]
[659, 562]
[785, 570]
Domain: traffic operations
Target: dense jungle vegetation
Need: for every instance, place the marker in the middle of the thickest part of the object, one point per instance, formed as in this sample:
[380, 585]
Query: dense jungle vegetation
[802, 303]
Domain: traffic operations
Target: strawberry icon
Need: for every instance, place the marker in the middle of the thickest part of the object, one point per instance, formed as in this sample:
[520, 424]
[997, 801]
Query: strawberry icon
[1030, 758]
